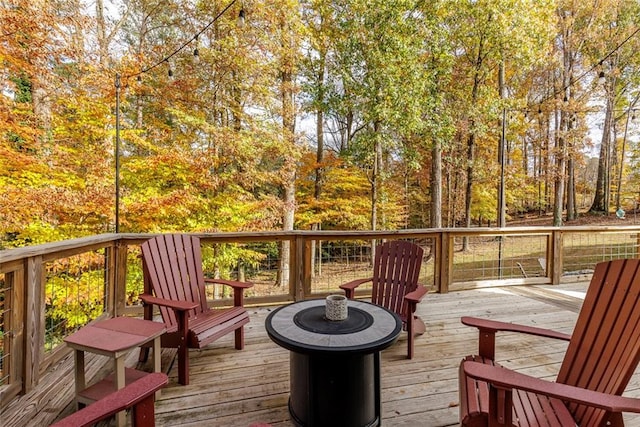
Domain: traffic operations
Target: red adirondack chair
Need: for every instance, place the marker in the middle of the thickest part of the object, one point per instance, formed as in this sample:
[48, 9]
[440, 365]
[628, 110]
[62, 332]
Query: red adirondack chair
[172, 266]
[396, 269]
[138, 395]
[601, 357]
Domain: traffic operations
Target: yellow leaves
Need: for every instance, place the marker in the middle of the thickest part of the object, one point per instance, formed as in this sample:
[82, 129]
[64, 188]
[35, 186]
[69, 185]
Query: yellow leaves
[345, 199]
[484, 203]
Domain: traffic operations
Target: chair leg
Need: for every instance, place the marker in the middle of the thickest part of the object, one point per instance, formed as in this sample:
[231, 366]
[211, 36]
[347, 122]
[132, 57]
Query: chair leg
[410, 348]
[147, 315]
[500, 407]
[183, 364]
[411, 329]
[143, 414]
[239, 338]
[614, 419]
[183, 348]
[144, 354]
[410, 336]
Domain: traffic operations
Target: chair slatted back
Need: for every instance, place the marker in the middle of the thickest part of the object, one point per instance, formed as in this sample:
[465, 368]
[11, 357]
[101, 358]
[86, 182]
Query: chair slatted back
[396, 270]
[173, 270]
[605, 346]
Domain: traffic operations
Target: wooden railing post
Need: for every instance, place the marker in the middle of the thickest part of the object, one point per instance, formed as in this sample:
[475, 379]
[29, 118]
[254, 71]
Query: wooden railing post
[13, 343]
[445, 261]
[117, 283]
[302, 268]
[34, 323]
[554, 263]
[307, 255]
[548, 258]
[295, 264]
[111, 296]
[436, 252]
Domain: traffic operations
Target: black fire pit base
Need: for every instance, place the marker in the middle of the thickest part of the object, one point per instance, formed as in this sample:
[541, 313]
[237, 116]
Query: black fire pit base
[335, 391]
[334, 365]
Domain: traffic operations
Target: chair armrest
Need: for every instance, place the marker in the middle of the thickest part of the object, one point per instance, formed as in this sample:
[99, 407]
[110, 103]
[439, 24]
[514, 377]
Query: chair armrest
[127, 397]
[416, 296]
[350, 287]
[238, 289]
[487, 333]
[176, 305]
[492, 326]
[507, 379]
[233, 283]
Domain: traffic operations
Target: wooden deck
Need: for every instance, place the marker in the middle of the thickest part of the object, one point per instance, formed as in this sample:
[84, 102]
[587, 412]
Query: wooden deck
[236, 388]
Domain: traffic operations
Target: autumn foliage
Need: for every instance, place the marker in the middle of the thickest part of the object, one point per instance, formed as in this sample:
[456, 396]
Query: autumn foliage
[410, 98]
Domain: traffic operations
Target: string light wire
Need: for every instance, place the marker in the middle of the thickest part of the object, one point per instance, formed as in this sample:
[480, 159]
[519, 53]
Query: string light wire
[118, 86]
[185, 44]
[590, 70]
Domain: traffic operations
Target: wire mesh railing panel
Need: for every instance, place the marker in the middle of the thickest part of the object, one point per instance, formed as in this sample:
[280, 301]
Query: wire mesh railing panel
[339, 261]
[75, 294]
[582, 251]
[134, 284]
[489, 257]
[5, 328]
[257, 262]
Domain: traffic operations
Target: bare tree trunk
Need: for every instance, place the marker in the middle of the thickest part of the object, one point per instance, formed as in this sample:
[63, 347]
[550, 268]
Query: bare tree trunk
[449, 197]
[471, 144]
[559, 181]
[572, 212]
[319, 181]
[469, 187]
[289, 200]
[547, 166]
[139, 110]
[539, 179]
[599, 204]
[375, 181]
[319, 178]
[502, 205]
[622, 150]
[562, 127]
[289, 166]
[103, 43]
[436, 185]
[346, 142]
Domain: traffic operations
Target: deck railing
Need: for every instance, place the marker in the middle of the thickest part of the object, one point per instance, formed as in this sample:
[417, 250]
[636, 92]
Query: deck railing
[48, 291]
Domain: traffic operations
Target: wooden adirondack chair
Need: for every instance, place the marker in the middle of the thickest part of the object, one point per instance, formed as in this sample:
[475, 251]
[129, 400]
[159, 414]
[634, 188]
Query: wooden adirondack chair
[396, 269]
[139, 395]
[172, 266]
[601, 357]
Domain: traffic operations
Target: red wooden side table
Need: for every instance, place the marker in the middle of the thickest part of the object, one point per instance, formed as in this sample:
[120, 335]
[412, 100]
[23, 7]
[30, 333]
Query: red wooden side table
[113, 338]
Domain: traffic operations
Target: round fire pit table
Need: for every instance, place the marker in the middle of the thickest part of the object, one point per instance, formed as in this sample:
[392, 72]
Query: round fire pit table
[334, 365]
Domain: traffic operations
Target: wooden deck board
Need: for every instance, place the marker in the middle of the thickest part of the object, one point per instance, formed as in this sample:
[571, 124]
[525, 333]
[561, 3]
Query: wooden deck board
[235, 388]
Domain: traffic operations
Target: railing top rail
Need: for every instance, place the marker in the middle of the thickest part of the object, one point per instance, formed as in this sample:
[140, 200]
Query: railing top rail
[541, 230]
[8, 255]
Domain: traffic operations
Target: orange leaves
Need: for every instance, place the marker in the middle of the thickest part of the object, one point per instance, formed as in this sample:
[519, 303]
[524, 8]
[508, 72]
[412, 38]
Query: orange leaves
[344, 202]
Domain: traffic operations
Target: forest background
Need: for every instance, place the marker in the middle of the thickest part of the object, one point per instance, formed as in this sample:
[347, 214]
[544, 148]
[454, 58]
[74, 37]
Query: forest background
[349, 114]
